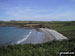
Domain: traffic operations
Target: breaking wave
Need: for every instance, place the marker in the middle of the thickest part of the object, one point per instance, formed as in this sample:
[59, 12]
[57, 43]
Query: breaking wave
[20, 41]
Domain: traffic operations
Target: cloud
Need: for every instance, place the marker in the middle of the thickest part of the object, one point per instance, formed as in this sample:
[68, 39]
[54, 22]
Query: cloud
[29, 13]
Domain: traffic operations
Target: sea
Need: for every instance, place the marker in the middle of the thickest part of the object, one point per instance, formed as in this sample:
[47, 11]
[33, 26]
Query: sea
[14, 35]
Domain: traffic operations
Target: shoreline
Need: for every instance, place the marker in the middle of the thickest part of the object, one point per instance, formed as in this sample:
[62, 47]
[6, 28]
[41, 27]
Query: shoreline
[53, 34]
[50, 35]
[26, 37]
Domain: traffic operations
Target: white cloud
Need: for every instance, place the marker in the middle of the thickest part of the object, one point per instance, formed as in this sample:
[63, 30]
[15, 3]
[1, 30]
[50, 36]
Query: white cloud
[28, 13]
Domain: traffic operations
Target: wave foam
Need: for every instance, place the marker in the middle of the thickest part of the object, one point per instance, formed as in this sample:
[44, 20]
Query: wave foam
[24, 38]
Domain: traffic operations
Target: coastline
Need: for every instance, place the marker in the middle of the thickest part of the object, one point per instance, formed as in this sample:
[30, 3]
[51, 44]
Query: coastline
[53, 35]
[26, 37]
[50, 35]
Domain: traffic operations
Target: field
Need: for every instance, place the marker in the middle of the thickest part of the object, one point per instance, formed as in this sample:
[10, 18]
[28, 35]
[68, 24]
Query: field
[46, 49]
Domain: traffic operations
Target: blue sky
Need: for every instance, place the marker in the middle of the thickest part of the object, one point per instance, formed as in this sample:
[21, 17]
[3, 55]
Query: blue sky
[37, 10]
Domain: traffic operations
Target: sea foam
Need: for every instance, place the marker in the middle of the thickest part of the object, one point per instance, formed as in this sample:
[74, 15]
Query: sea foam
[20, 41]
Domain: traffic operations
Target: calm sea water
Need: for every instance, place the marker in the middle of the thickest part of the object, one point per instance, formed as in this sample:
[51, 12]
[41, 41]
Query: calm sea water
[14, 35]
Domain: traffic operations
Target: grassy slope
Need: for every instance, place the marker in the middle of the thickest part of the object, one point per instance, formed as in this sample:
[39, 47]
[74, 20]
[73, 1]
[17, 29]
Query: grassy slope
[46, 49]
[65, 28]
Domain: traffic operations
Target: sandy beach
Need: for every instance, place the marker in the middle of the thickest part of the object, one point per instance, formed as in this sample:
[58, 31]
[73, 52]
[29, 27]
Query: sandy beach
[48, 35]
[52, 35]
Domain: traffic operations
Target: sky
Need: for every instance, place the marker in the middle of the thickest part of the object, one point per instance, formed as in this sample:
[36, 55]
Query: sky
[37, 10]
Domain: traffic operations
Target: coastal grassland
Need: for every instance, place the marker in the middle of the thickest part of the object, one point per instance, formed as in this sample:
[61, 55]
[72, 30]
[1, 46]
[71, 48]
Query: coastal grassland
[66, 28]
[45, 49]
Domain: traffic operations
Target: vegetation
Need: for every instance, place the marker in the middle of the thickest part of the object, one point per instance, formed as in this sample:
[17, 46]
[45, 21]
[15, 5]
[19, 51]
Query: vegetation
[66, 28]
[46, 49]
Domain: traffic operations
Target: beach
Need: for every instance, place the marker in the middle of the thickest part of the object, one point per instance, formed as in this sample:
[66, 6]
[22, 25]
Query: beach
[48, 35]
[53, 34]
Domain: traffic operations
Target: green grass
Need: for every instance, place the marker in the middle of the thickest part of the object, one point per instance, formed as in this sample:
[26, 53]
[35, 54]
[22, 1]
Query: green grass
[46, 49]
[62, 28]
[65, 28]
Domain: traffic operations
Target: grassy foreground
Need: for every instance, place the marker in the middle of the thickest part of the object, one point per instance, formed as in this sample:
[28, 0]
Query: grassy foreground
[46, 49]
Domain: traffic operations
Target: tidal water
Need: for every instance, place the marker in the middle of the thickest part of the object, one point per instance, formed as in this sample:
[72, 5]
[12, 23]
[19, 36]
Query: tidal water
[14, 35]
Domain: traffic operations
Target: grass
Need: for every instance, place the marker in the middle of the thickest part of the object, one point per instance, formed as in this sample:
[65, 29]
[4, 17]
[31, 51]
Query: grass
[46, 49]
[65, 28]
